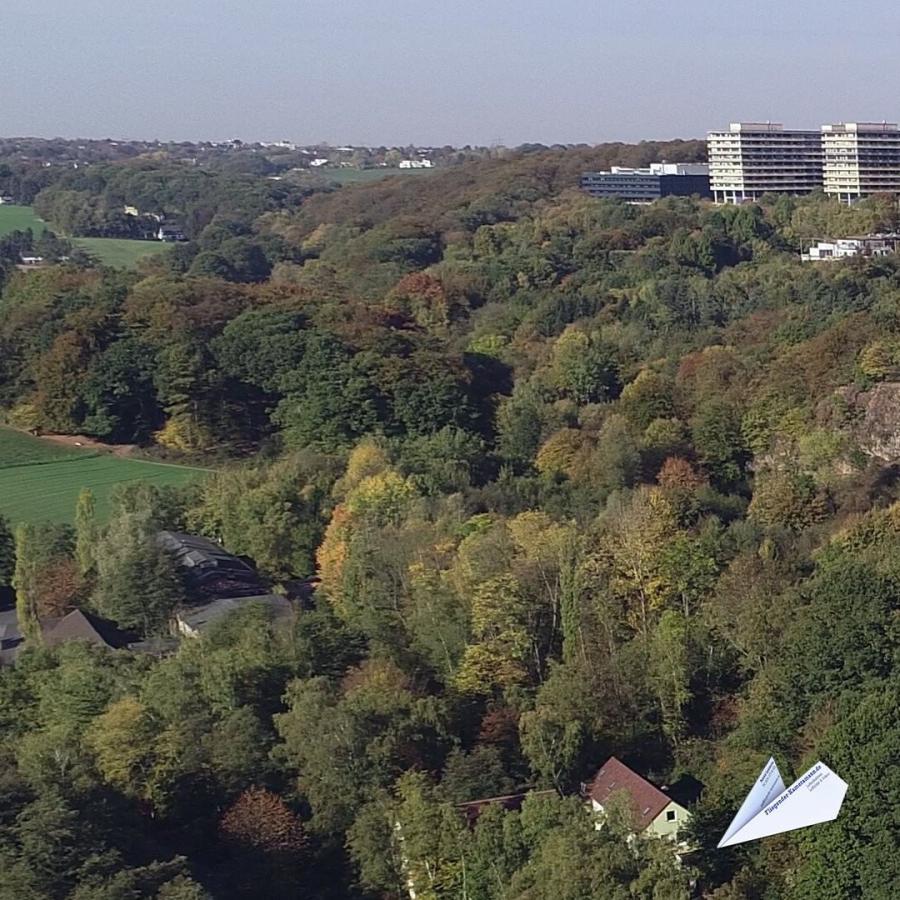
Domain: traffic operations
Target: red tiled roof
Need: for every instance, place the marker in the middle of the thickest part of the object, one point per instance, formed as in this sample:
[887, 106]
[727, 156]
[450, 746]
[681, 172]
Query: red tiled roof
[647, 800]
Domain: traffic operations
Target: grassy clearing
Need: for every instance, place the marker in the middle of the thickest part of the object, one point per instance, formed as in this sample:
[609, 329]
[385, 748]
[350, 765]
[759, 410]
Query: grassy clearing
[18, 449]
[119, 253]
[40, 481]
[18, 218]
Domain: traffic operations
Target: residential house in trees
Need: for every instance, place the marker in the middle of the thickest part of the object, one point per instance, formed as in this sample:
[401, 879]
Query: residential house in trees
[654, 810]
[78, 625]
[194, 620]
[208, 569]
[218, 583]
[170, 234]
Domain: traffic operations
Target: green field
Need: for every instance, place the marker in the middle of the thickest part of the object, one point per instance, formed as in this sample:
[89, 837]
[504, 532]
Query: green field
[18, 449]
[18, 218]
[40, 480]
[114, 252]
[119, 253]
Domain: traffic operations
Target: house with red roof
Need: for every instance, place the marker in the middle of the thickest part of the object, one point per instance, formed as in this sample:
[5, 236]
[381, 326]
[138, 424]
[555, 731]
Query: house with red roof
[654, 810]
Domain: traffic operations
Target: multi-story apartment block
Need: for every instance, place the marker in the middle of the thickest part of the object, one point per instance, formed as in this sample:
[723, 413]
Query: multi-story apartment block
[861, 158]
[755, 158]
[649, 184]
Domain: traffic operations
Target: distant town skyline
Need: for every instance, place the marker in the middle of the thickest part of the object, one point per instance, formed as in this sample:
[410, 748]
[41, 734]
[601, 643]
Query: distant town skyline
[404, 72]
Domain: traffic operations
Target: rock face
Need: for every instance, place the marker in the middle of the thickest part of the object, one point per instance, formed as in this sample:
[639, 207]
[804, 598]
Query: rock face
[877, 422]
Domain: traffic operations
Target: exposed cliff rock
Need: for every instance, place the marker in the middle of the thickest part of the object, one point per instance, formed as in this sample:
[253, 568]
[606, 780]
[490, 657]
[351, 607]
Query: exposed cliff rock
[875, 419]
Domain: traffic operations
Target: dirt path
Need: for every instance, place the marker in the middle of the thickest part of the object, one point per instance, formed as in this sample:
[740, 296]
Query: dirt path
[89, 443]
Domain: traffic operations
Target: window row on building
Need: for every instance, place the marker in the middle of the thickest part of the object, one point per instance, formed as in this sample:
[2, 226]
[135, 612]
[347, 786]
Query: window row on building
[650, 183]
[848, 160]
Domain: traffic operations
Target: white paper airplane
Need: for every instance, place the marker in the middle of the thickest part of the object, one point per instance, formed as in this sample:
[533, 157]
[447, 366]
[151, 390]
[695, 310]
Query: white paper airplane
[771, 808]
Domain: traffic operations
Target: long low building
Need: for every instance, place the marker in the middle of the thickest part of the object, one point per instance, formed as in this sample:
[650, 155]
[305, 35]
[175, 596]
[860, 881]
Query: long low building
[194, 620]
[650, 183]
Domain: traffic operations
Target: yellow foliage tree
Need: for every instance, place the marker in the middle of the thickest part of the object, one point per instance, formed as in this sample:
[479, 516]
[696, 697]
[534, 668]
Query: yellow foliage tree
[183, 432]
[632, 550]
[121, 740]
[332, 555]
[25, 415]
[497, 661]
[367, 458]
[879, 359]
[380, 500]
[565, 451]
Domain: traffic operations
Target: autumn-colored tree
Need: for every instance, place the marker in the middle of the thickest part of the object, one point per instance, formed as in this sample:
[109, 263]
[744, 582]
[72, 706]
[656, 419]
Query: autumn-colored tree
[647, 397]
[37, 547]
[422, 296]
[564, 451]
[788, 499]
[259, 819]
[62, 587]
[122, 743]
[498, 659]
[632, 549]
[678, 475]
[62, 370]
[366, 459]
[376, 501]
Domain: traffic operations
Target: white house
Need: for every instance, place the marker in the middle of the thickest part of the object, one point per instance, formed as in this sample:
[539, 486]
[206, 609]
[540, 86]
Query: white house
[844, 248]
[170, 234]
[654, 811]
[415, 164]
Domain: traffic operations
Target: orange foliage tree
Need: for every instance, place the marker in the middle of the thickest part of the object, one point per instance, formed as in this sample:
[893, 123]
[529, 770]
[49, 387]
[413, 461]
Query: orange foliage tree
[260, 820]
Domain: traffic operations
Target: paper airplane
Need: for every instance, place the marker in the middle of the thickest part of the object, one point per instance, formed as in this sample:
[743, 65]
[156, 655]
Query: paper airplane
[771, 808]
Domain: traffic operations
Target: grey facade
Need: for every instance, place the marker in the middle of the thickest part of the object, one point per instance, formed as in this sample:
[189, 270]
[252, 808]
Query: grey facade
[649, 184]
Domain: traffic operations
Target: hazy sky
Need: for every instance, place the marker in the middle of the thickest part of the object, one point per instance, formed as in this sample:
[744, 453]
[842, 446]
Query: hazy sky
[441, 71]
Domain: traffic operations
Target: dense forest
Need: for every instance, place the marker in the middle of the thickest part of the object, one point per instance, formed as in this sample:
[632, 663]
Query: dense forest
[578, 479]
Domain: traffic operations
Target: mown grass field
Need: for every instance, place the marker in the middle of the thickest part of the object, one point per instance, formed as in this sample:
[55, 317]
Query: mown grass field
[119, 253]
[18, 449]
[114, 252]
[18, 218]
[40, 481]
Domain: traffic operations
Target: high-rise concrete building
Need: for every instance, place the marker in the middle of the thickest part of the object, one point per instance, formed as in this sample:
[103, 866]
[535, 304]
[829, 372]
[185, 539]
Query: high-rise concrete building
[861, 158]
[755, 158]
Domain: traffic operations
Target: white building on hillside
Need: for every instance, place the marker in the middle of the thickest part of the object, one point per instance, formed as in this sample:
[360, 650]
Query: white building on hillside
[755, 158]
[860, 159]
[845, 248]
